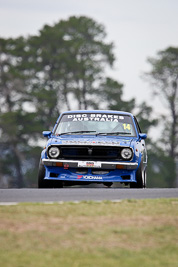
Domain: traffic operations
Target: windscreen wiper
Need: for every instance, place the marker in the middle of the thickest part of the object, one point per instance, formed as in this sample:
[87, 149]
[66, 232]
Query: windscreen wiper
[112, 133]
[77, 132]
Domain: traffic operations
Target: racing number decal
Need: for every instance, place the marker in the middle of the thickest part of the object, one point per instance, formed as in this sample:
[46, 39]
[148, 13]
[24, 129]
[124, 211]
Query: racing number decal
[126, 126]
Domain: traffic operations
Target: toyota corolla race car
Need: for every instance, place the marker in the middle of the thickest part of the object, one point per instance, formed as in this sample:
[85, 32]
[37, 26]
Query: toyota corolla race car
[94, 147]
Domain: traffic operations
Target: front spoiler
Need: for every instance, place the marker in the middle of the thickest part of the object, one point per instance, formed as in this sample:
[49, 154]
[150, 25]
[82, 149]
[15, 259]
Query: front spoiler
[90, 164]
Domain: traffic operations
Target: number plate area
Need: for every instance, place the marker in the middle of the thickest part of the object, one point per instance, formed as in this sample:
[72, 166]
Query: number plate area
[89, 164]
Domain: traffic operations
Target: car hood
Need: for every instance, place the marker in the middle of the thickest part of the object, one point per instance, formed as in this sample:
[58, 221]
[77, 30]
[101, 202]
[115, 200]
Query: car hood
[92, 140]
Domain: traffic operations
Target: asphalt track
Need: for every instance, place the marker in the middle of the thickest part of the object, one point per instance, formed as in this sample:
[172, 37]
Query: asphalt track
[12, 196]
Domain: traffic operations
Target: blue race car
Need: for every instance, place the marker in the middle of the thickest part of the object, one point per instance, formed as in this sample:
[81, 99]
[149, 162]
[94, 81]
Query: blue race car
[96, 146]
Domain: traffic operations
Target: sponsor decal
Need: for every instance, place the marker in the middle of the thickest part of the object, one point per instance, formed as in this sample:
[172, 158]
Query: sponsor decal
[92, 177]
[79, 176]
[66, 166]
[94, 143]
[89, 177]
[95, 117]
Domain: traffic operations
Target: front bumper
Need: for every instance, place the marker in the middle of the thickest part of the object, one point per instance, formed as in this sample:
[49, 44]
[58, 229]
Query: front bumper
[90, 164]
[90, 171]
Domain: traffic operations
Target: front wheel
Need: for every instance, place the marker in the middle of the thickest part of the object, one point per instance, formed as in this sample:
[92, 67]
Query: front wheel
[45, 183]
[41, 175]
[140, 178]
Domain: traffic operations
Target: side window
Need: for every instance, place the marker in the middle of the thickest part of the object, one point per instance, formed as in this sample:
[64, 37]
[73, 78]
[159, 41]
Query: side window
[137, 125]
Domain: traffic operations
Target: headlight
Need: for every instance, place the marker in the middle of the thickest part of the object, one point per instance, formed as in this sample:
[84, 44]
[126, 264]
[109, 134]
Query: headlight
[54, 152]
[126, 153]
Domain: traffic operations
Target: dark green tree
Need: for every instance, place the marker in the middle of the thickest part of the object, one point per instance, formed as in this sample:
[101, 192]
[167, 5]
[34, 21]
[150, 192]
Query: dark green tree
[110, 94]
[71, 57]
[11, 101]
[145, 117]
[16, 129]
[164, 77]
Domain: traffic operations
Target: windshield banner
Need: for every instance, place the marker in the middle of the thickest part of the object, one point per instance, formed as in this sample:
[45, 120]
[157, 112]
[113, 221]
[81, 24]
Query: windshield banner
[93, 117]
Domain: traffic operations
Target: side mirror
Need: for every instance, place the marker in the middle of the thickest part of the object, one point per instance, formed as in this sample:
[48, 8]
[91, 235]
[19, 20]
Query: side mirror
[142, 135]
[47, 133]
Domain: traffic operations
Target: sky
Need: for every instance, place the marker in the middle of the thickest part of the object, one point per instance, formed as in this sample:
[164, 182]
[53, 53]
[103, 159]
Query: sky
[138, 29]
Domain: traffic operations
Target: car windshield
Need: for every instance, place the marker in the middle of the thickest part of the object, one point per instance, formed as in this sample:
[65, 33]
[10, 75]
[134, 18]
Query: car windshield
[95, 124]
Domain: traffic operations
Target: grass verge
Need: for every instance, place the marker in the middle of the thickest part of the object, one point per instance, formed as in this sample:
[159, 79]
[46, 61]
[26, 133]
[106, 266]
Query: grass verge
[126, 233]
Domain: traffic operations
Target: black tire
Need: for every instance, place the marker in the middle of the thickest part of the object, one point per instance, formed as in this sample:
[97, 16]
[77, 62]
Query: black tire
[108, 184]
[41, 174]
[145, 178]
[56, 184]
[46, 184]
[140, 178]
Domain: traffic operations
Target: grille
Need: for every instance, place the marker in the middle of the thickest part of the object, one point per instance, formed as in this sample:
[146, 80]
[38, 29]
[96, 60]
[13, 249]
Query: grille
[90, 153]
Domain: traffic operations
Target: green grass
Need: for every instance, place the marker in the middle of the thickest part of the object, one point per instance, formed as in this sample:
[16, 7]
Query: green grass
[127, 233]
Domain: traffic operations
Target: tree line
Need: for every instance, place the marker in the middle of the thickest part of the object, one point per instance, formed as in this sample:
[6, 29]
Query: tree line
[64, 68]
